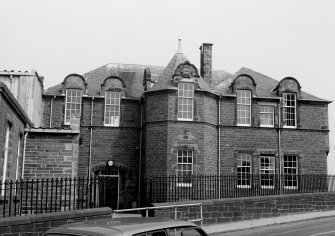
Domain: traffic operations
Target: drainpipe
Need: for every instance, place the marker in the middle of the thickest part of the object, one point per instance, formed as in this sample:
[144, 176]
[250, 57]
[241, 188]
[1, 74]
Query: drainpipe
[51, 105]
[24, 153]
[140, 161]
[279, 145]
[219, 145]
[91, 134]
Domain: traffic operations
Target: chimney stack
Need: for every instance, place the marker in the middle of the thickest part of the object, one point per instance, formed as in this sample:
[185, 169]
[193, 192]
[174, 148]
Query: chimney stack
[206, 62]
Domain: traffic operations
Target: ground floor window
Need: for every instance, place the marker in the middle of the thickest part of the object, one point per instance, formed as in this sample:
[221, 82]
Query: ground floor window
[290, 171]
[267, 171]
[243, 169]
[184, 167]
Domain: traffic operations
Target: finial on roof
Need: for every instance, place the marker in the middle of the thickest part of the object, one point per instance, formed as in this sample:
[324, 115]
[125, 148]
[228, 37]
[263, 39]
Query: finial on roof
[179, 46]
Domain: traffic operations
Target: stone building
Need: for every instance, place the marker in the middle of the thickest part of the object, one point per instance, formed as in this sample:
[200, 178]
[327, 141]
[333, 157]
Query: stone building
[126, 121]
[13, 122]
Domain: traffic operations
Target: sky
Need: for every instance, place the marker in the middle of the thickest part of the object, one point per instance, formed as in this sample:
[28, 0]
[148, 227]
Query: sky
[276, 38]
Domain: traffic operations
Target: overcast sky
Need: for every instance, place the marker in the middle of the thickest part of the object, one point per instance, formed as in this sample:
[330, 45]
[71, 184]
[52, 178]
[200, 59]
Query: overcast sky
[276, 38]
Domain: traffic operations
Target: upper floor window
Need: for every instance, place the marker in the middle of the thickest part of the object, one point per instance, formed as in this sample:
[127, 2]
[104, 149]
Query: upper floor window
[266, 116]
[289, 110]
[244, 107]
[72, 104]
[112, 108]
[243, 169]
[291, 171]
[185, 100]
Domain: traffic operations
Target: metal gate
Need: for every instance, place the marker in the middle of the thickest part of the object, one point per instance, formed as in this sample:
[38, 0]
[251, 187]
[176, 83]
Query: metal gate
[108, 188]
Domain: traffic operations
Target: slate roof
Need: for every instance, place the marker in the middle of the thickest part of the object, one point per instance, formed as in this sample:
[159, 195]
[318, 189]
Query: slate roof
[264, 85]
[132, 75]
[164, 79]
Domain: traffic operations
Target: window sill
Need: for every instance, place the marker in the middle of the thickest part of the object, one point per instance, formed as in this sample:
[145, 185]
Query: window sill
[289, 127]
[111, 125]
[243, 186]
[180, 119]
[267, 187]
[267, 126]
[184, 185]
[243, 125]
[290, 187]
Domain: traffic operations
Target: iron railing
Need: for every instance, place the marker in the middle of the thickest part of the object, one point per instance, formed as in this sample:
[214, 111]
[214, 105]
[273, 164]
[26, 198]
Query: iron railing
[33, 196]
[202, 187]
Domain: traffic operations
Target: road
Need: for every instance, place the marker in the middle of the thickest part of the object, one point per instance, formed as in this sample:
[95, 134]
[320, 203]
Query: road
[315, 227]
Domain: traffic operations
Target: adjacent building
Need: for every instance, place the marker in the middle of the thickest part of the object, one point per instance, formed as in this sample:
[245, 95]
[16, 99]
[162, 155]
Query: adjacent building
[13, 122]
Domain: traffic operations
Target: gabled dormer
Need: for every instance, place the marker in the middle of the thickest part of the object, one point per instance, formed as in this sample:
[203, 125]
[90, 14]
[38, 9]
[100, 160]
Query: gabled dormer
[73, 87]
[113, 89]
[289, 90]
[244, 87]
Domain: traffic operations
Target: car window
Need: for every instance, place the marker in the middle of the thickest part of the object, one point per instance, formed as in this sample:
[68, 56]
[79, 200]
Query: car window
[191, 232]
[153, 233]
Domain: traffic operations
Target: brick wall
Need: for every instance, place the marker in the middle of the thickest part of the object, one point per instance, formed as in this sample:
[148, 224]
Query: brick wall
[231, 210]
[51, 155]
[36, 225]
[309, 146]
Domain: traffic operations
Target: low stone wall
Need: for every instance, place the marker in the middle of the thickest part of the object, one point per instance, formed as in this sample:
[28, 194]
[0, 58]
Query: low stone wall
[36, 225]
[230, 210]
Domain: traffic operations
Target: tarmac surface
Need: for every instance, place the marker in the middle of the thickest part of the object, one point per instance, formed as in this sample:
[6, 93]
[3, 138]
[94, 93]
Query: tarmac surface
[249, 224]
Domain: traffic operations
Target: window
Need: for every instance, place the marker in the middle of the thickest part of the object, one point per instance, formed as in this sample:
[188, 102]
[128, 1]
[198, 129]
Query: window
[291, 171]
[191, 232]
[72, 105]
[112, 108]
[266, 116]
[244, 107]
[4, 161]
[185, 101]
[243, 169]
[184, 168]
[185, 162]
[289, 110]
[267, 171]
[154, 233]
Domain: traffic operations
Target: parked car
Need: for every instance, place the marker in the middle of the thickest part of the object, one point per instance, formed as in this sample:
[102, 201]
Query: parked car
[128, 226]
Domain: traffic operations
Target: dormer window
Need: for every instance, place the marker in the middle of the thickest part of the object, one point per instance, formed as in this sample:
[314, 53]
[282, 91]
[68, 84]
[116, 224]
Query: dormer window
[72, 104]
[185, 100]
[243, 107]
[289, 110]
[112, 108]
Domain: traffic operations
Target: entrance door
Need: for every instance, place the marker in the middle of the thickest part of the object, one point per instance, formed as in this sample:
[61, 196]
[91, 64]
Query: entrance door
[108, 188]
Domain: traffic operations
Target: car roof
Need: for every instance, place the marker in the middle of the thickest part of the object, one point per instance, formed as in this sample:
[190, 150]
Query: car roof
[119, 226]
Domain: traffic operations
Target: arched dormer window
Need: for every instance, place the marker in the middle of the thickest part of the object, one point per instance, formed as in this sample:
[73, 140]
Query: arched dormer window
[113, 89]
[185, 76]
[73, 86]
[289, 89]
[243, 107]
[244, 87]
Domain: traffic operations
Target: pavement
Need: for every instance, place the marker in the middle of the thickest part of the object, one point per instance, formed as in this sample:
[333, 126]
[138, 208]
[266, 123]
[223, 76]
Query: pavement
[249, 224]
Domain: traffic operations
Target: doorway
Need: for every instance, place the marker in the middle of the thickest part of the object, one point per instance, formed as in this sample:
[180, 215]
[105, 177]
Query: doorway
[108, 188]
